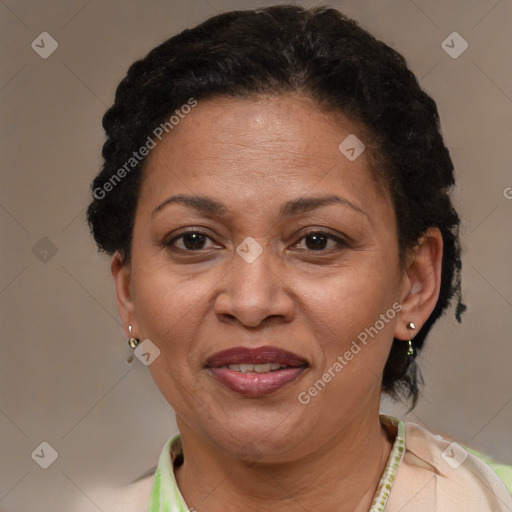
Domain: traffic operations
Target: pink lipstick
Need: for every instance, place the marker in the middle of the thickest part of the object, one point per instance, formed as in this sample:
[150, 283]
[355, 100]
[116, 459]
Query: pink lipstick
[257, 371]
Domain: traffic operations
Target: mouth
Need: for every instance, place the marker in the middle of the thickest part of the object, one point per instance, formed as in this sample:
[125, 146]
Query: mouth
[255, 368]
[255, 372]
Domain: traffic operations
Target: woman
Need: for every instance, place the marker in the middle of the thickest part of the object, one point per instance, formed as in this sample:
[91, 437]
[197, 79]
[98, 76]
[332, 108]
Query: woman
[275, 198]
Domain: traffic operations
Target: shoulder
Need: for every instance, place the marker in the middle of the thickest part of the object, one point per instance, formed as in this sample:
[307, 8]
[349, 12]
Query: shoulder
[441, 475]
[135, 497]
[129, 498]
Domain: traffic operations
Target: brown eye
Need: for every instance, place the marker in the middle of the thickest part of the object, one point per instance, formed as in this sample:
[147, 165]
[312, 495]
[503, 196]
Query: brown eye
[319, 241]
[190, 241]
[316, 241]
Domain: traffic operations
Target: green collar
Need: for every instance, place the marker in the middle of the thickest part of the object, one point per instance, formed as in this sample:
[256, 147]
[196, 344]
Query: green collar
[166, 497]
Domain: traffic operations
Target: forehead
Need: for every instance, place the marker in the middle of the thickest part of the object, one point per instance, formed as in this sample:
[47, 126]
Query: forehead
[261, 148]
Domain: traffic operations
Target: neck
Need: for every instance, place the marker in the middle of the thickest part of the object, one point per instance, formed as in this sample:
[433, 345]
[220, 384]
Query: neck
[342, 474]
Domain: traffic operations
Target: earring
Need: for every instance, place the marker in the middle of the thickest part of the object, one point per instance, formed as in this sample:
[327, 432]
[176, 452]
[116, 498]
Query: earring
[133, 342]
[411, 352]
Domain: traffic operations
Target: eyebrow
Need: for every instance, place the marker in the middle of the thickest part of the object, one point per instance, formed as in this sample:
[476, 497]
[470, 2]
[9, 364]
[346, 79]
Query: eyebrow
[212, 207]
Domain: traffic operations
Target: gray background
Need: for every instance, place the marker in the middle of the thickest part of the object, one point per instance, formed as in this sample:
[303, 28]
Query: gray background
[65, 376]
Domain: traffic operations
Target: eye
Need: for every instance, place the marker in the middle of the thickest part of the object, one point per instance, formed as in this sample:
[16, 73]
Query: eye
[190, 241]
[315, 241]
[319, 241]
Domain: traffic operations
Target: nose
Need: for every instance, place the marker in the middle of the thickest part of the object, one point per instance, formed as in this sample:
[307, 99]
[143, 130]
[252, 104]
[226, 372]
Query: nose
[255, 293]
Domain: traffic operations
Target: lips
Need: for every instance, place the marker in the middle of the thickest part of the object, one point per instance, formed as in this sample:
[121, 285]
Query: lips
[255, 372]
[260, 355]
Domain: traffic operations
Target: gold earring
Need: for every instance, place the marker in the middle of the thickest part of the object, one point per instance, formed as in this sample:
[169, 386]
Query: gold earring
[133, 342]
[411, 352]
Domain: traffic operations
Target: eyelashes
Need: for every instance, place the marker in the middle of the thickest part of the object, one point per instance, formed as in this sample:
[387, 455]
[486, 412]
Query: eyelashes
[190, 240]
[317, 241]
[319, 237]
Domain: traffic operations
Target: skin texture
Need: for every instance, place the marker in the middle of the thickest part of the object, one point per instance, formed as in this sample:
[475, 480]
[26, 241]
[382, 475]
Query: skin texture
[254, 155]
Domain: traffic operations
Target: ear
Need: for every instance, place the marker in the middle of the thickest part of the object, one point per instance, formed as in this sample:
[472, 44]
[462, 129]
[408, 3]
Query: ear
[121, 272]
[421, 283]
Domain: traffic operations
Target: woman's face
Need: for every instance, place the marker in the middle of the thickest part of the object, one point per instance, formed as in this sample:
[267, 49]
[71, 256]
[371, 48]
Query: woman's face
[232, 266]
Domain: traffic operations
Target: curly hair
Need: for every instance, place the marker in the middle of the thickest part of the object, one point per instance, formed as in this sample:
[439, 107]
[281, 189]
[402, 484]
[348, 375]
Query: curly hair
[329, 58]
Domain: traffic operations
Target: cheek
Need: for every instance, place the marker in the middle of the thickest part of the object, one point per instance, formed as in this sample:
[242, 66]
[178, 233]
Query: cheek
[165, 299]
[351, 312]
[352, 344]
[169, 312]
[354, 294]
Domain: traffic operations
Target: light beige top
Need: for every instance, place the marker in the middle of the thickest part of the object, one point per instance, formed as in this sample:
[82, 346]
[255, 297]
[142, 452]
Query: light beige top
[439, 475]
[424, 473]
